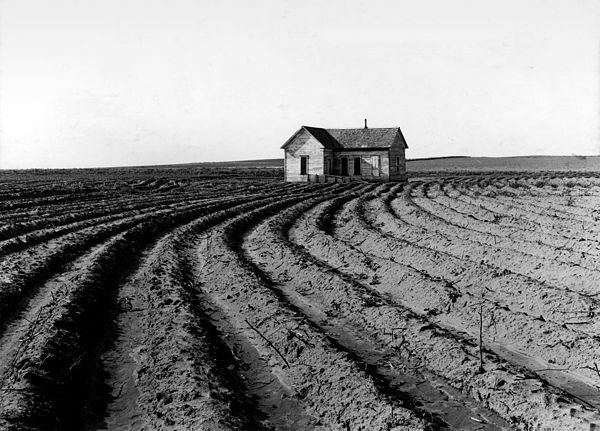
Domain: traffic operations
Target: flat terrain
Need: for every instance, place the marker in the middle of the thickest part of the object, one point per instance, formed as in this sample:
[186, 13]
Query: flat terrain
[225, 299]
[440, 164]
[506, 164]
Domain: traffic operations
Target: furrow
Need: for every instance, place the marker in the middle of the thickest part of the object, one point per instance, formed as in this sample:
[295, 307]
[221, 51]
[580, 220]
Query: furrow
[168, 363]
[388, 263]
[533, 238]
[324, 379]
[565, 229]
[393, 366]
[523, 207]
[426, 229]
[23, 271]
[54, 377]
[360, 306]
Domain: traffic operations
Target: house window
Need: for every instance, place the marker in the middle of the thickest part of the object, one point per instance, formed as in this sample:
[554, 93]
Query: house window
[345, 166]
[375, 166]
[303, 165]
[357, 166]
[397, 164]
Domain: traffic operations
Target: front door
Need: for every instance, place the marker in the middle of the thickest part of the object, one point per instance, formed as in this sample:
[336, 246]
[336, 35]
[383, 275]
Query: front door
[375, 166]
[344, 166]
[357, 166]
[303, 165]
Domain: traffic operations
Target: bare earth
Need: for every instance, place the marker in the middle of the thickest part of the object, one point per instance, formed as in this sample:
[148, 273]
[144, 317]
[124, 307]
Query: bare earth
[180, 300]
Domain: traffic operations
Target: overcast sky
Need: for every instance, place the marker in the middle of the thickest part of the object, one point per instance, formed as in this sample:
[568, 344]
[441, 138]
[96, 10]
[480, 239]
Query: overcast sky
[133, 82]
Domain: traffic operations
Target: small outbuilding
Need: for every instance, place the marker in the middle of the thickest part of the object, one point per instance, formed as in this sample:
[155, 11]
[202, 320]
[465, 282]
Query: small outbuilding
[314, 154]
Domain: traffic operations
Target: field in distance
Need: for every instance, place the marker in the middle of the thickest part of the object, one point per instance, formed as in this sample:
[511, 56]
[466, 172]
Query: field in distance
[457, 163]
[506, 164]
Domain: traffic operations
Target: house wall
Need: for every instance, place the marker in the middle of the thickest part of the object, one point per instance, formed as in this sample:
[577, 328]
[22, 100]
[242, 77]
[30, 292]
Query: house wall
[328, 154]
[397, 173]
[304, 144]
[366, 166]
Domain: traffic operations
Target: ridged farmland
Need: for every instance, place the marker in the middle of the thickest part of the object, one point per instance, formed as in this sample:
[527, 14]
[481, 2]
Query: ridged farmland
[181, 301]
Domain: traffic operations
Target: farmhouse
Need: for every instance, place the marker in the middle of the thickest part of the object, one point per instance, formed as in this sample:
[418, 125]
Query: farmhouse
[313, 154]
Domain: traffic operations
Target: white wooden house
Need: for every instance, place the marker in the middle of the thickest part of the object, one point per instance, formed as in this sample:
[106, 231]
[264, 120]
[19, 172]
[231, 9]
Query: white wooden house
[316, 154]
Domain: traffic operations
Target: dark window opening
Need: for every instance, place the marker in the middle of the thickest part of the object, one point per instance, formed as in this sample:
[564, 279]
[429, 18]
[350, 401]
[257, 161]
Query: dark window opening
[397, 164]
[345, 166]
[303, 165]
[357, 166]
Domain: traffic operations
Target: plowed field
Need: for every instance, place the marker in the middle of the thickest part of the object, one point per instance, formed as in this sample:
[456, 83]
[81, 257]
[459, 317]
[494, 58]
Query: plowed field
[464, 302]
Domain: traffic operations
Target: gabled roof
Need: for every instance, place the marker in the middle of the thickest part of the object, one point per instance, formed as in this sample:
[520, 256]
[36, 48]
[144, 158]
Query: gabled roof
[323, 136]
[340, 139]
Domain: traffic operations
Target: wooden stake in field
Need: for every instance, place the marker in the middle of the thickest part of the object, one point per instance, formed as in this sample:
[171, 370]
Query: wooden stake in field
[481, 370]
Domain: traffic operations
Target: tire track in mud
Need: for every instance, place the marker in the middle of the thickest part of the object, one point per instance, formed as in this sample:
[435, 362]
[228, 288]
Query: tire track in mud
[312, 370]
[348, 299]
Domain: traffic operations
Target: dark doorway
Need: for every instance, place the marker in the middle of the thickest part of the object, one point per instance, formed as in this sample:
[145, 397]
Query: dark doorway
[357, 166]
[303, 165]
[344, 166]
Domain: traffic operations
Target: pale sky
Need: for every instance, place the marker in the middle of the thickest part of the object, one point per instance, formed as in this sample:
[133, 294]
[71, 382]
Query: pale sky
[87, 83]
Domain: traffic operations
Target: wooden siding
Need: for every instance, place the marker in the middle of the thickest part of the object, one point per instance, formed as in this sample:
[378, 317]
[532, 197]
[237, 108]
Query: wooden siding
[303, 145]
[366, 166]
[397, 172]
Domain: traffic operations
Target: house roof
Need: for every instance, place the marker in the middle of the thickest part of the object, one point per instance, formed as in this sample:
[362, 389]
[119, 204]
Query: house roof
[340, 139]
[323, 136]
[364, 138]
